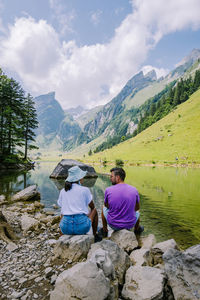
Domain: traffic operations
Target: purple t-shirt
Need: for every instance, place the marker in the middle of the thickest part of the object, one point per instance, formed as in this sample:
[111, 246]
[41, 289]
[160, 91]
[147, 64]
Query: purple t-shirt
[121, 199]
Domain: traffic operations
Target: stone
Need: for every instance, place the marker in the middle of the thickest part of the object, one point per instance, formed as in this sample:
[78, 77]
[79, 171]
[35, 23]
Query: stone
[17, 295]
[28, 223]
[147, 242]
[48, 272]
[125, 239]
[73, 247]
[119, 257]
[102, 259]
[137, 257]
[11, 246]
[183, 270]
[61, 170]
[164, 246]
[144, 283]
[83, 281]
[154, 256]
[27, 194]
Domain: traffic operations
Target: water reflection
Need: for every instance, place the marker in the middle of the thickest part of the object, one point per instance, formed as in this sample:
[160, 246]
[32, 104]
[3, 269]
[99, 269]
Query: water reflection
[170, 198]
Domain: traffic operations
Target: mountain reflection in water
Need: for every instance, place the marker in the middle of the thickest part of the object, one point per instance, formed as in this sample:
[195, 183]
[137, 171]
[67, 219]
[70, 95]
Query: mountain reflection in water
[170, 197]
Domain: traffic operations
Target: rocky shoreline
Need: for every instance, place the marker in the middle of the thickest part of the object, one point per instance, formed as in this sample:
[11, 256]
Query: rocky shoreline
[42, 265]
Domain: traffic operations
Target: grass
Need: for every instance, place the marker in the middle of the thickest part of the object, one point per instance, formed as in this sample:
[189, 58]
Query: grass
[173, 140]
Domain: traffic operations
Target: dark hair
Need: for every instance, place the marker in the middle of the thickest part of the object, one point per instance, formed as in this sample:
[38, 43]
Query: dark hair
[120, 172]
[68, 185]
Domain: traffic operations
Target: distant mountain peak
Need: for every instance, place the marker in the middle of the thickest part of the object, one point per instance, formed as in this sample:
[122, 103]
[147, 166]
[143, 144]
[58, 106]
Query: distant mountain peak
[193, 56]
[151, 74]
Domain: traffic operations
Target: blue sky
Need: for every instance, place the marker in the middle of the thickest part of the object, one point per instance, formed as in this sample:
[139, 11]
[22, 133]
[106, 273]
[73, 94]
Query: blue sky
[86, 50]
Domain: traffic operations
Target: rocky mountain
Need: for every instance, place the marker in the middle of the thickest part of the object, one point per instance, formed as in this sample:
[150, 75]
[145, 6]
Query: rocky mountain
[73, 127]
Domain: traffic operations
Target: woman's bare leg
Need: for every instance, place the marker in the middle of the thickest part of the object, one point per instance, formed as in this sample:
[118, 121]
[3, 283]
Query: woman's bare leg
[93, 215]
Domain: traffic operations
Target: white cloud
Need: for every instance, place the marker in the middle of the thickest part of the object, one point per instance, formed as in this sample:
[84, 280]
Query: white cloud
[63, 19]
[79, 74]
[95, 17]
[160, 72]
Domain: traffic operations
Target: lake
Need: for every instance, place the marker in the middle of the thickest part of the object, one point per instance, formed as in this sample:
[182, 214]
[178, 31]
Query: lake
[170, 197]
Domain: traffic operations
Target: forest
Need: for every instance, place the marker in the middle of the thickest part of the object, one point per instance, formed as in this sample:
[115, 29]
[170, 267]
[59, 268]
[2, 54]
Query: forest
[156, 108]
[18, 121]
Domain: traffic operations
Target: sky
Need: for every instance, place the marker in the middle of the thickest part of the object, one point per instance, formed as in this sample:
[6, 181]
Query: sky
[86, 50]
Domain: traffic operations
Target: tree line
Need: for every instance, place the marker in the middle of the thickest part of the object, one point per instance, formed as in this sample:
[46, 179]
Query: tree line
[157, 107]
[164, 105]
[18, 120]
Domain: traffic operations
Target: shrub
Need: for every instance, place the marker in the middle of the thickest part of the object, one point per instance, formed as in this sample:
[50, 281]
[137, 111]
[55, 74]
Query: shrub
[119, 162]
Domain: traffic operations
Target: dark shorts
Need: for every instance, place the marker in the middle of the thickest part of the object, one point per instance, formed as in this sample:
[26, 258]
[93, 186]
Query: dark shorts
[75, 224]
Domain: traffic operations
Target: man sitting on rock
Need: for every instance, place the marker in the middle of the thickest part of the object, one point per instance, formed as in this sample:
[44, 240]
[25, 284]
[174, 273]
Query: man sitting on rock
[121, 210]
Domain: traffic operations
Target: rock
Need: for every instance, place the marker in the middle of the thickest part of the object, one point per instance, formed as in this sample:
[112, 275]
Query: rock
[104, 262]
[73, 247]
[119, 257]
[147, 242]
[144, 283]
[183, 270]
[83, 281]
[11, 247]
[125, 239]
[17, 295]
[27, 194]
[164, 246]
[61, 170]
[137, 257]
[28, 223]
[6, 232]
[154, 256]
[48, 272]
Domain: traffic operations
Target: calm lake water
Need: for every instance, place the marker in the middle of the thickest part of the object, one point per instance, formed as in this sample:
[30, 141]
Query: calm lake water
[170, 197]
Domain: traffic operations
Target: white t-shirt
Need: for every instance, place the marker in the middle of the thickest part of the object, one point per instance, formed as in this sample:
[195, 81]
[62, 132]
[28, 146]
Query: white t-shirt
[75, 201]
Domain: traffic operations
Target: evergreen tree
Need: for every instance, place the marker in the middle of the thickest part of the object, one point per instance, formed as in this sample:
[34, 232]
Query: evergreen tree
[30, 123]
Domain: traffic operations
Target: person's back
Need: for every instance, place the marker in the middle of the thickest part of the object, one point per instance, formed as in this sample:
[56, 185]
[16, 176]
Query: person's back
[121, 199]
[121, 205]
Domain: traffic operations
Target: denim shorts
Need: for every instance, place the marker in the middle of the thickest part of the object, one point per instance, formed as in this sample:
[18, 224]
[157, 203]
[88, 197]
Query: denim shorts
[105, 212]
[75, 224]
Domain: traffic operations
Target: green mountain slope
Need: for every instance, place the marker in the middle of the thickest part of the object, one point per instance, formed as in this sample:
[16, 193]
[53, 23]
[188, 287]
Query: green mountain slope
[174, 139]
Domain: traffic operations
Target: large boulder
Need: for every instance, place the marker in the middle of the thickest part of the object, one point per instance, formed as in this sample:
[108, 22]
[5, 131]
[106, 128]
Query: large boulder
[27, 194]
[183, 270]
[73, 247]
[61, 170]
[144, 283]
[83, 281]
[125, 239]
[119, 257]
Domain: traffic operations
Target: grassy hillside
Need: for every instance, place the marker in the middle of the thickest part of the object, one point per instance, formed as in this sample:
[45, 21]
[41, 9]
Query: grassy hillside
[174, 139]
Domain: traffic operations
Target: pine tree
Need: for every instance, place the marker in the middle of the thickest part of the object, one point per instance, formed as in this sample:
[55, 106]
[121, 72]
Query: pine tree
[30, 123]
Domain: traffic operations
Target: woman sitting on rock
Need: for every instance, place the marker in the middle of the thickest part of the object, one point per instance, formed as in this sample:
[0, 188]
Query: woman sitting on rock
[74, 200]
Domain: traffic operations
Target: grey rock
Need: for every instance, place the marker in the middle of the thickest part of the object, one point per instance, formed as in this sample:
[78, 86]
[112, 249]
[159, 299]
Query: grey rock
[26, 194]
[28, 223]
[119, 257]
[137, 257]
[17, 295]
[83, 281]
[125, 239]
[148, 241]
[73, 247]
[183, 270]
[11, 246]
[164, 246]
[53, 278]
[61, 170]
[102, 259]
[48, 272]
[144, 283]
